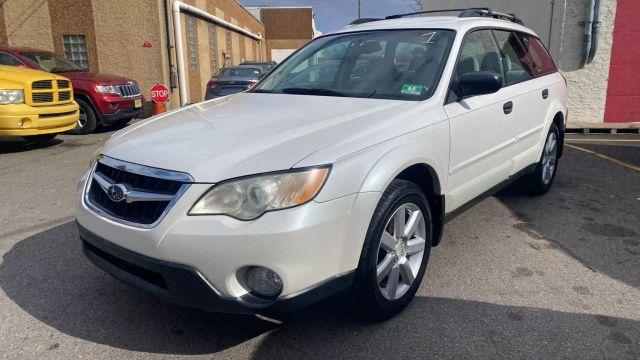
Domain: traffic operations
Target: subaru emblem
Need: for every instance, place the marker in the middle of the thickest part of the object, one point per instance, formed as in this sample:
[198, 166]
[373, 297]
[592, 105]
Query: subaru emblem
[117, 192]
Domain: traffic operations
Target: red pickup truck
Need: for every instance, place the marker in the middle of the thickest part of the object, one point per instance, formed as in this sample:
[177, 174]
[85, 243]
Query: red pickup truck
[104, 99]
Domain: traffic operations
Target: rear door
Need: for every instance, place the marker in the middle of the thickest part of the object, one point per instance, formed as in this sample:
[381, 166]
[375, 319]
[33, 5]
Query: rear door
[482, 128]
[527, 72]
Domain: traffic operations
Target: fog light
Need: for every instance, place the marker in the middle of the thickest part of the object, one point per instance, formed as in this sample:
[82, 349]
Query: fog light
[20, 122]
[264, 282]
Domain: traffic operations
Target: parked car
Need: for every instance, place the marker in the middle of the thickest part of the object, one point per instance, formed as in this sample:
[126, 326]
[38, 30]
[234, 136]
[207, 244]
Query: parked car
[35, 104]
[231, 80]
[265, 66]
[103, 99]
[316, 180]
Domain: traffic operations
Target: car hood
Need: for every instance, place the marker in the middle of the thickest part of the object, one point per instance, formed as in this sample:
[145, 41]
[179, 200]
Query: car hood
[94, 77]
[250, 133]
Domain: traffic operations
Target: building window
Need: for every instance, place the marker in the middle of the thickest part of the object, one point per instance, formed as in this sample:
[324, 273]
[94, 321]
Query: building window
[229, 49]
[255, 51]
[191, 39]
[75, 49]
[213, 39]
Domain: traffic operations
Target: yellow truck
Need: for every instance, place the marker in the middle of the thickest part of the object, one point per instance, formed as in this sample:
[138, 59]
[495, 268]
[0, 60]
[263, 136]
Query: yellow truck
[35, 104]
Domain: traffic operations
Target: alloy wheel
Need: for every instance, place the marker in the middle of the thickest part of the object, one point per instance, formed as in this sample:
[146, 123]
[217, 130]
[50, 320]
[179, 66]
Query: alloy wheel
[400, 251]
[82, 119]
[549, 158]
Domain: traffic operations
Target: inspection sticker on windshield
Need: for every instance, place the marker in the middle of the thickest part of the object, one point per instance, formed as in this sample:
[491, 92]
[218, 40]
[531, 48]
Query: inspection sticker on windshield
[410, 89]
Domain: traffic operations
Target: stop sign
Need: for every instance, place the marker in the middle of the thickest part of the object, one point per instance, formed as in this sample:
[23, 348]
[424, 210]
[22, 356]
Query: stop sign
[159, 94]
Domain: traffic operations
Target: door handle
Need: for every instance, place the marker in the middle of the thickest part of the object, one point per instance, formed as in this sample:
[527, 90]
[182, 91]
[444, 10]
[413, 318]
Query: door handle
[508, 107]
[545, 93]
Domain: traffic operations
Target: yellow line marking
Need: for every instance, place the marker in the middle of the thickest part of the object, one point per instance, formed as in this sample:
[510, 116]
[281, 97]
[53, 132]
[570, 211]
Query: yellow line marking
[604, 140]
[619, 162]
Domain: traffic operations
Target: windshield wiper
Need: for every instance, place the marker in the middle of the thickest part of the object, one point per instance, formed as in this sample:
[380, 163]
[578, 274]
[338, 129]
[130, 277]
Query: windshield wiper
[312, 91]
[263, 91]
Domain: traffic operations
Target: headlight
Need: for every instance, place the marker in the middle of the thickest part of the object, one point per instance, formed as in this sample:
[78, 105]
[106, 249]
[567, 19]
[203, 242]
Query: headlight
[249, 198]
[107, 89]
[95, 157]
[11, 97]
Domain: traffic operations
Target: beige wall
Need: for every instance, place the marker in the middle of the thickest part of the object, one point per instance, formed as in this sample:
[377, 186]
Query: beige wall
[122, 27]
[27, 23]
[588, 86]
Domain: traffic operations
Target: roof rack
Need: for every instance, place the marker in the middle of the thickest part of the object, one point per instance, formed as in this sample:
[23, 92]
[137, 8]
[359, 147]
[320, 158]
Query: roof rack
[463, 13]
[363, 20]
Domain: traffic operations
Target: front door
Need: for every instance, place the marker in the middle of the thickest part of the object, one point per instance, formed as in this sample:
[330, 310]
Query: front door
[482, 128]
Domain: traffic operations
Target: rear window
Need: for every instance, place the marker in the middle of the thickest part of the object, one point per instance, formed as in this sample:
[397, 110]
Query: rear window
[538, 59]
[253, 73]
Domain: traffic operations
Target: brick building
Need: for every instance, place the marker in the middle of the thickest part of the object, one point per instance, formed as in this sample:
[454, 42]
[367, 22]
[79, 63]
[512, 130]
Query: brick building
[137, 38]
[287, 29]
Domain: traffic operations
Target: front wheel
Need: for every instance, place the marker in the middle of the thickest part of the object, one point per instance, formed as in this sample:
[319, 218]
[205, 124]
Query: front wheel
[396, 250]
[87, 121]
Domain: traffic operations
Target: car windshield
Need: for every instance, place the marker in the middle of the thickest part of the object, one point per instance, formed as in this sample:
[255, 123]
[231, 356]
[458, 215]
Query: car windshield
[51, 62]
[385, 64]
[240, 72]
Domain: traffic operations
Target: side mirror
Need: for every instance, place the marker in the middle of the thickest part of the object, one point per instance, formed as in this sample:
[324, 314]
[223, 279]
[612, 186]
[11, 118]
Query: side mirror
[478, 83]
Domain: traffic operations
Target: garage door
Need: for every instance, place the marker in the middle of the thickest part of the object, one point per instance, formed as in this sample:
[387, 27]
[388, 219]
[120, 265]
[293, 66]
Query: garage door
[623, 93]
[278, 55]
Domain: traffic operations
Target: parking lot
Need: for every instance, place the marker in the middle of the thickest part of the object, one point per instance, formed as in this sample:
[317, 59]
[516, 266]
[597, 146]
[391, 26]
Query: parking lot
[556, 276]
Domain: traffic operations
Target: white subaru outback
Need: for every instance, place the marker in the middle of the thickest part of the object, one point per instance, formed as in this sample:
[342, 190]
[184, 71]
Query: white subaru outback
[337, 171]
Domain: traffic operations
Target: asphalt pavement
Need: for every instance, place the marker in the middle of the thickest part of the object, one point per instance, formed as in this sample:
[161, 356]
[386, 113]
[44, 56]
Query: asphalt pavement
[516, 277]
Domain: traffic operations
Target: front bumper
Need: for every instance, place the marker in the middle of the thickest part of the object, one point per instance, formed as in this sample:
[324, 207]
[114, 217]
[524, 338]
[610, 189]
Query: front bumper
[185, 285]
[37, 120]
[122, 114]
[308, 246]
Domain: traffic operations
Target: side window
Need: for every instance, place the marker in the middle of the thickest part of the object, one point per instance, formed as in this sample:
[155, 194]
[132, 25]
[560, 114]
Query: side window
[6, 59]
[540, 61]
[479, 53]
[516, 63]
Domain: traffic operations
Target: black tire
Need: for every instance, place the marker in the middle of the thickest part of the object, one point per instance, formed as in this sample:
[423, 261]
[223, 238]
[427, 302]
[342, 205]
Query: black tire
[40, 139]
[366, 286]
[88, 120]
[539, 182]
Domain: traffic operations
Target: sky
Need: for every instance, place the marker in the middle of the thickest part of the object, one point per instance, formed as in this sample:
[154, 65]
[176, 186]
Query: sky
[335, 14]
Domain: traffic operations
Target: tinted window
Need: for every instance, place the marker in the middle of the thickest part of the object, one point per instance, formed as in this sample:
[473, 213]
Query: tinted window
[517, 67]
[540, 62]
[383, 64]
[6, 59]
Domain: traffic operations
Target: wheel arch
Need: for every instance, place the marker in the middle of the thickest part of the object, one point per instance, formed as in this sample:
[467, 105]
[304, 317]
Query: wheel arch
[558, 119]
[410, 162]
[87, 99]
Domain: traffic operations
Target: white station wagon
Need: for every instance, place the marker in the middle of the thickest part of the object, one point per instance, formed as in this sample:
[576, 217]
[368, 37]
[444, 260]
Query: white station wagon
[337, 171]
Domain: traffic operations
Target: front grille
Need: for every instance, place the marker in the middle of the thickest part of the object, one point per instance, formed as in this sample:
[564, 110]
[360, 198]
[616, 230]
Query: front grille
[42, 84]
[64, 96]
[42, 97]
[138, 212]
[63, 84]
[129, 90]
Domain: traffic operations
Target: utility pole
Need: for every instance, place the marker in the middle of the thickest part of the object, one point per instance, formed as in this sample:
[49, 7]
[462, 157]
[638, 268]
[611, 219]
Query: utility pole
[359, 12]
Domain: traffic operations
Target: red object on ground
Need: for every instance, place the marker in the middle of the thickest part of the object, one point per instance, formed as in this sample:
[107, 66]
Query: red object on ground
[159, 94]
[147, 44]
[623, 93]
[160, 108]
